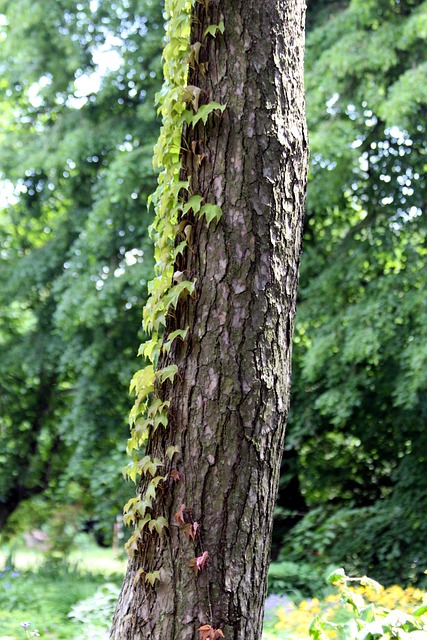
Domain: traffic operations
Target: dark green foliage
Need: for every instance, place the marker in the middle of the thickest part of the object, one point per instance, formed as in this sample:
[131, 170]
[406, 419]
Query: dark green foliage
[359, 395]
[75, 255]
[297, 580]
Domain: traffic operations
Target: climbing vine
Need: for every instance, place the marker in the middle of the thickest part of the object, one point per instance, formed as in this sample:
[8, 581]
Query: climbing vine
[176, 203]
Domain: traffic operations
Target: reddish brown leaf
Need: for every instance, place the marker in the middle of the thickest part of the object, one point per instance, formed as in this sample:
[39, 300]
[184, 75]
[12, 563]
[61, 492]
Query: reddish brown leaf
[209, 633]
[179, 515]
[200, 562]
[206, 632]
[194, 529]
[187, 530]
[190, 530]
[175, 475]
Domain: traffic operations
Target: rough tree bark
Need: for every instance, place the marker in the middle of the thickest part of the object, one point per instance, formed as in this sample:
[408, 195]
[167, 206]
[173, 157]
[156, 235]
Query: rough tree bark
[230, 401]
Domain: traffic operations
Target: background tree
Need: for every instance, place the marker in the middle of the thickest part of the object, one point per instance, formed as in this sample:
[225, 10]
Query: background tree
[78, 128]
[205, 503]
[357, 432]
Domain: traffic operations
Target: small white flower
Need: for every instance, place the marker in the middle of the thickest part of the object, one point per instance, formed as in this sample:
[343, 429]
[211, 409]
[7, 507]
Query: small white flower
[34, 633]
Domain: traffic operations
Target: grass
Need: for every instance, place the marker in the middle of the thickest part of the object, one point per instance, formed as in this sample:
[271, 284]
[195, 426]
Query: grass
[90, 559]
[44, 592]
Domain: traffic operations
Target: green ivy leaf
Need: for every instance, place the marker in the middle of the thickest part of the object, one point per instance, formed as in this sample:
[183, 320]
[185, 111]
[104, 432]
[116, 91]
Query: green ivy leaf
[157, 405]
[143, 381]
[130, 503]
[152, 577]
[162, 419]
[185, 286]
[179, 333]
[211, 212]
[159, 525]
[146, 519]
[168, 373]
[131, 545]
[150, 349]
[194, 203]
[138, 575]
[213, 28]
[155, 481]
[131, 471]
[150, 492]
[204, 111]
[143, 464]
[170, 451]
[150, 466]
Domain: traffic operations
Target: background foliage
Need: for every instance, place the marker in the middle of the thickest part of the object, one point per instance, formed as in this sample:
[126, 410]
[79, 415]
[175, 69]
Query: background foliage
[78, 127]
[357, 436]
[76, 165]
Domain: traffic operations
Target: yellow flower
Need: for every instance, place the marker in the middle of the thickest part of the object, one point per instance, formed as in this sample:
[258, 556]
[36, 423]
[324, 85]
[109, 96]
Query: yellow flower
[333, 598]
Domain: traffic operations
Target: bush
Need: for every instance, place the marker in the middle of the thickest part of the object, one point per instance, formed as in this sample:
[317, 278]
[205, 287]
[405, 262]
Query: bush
[367, 612]
[358, 619]
[96, 613]
[349, 536]
[295, 580]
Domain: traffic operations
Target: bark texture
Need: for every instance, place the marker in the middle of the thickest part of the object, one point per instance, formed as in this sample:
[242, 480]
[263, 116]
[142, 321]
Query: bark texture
[230, 401]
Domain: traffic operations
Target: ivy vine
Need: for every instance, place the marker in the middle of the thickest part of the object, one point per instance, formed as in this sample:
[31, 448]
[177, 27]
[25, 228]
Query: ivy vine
[174, 201]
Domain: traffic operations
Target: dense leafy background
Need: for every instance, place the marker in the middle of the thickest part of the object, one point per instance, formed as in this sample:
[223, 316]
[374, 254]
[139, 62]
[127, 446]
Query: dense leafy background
[357, 437]
[75, 255]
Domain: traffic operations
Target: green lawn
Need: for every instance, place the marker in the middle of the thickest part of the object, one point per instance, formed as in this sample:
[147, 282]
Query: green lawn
[92, 559]
[34, 589]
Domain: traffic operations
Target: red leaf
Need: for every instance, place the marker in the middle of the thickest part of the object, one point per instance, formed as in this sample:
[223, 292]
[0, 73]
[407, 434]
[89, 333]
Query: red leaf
[179, 515]
[175, 475]
[200, 562]
[194, 529]
[190, 530]
[209, 633]
[206, 632]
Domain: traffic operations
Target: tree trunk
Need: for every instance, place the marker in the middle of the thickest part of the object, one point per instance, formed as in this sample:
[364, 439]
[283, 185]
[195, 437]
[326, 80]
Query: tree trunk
[230, 400]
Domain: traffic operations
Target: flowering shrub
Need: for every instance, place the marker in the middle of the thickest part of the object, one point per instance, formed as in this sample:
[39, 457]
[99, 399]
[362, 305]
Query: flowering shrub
[285, 620]
[366, 611]
[361, 619]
